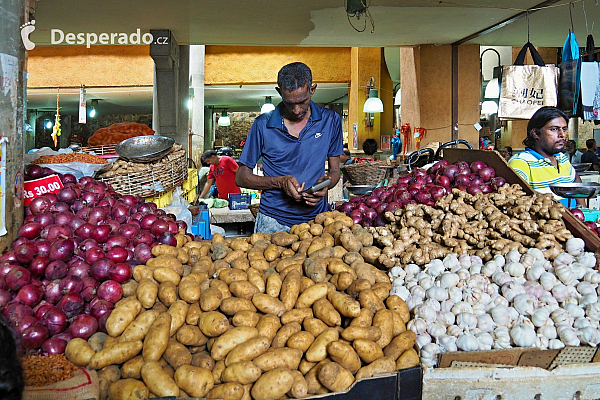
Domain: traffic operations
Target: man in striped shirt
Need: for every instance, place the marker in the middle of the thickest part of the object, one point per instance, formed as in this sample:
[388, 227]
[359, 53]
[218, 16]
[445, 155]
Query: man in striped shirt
[543, 162]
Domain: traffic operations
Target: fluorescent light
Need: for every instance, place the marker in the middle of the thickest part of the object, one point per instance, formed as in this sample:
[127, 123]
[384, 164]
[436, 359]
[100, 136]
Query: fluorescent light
[94, 106]
[492, 90]
[373, 103]
[92, 112]
[398, 99]
[268, 106]
[224, 120]
[489, 107]
[189, 103]
[48, 124]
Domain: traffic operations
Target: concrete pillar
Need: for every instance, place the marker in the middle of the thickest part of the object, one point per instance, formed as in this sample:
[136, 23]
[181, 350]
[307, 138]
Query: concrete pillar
[426, 83]
[197, 57]
[209, 128]
[12, 70]
[171, 88]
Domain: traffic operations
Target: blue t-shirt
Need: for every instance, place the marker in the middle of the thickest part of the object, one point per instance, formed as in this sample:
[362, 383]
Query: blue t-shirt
[302, 157]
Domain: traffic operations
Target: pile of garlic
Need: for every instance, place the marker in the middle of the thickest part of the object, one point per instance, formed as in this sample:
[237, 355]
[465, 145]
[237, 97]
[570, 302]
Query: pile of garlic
[459, 303]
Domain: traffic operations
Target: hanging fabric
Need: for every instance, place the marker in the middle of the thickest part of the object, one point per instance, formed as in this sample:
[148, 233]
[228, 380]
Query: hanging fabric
[570, 77]
[590, 84]
[527, 88]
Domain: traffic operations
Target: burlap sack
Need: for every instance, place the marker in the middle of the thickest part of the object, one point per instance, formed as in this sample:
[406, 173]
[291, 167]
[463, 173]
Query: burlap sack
[82, 386]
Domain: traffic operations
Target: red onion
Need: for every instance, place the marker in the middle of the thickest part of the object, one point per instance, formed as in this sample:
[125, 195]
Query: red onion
[451, 171]
[30, 230]
[84, 214]
[443, 180]
[142, 253]
[143, 236]
[173, 228]
[137, 217]
[110, 291]
[114, 225]
[170, 217]
[17, 278]
[85, 180]
[29, 295]
[52, 292]
[462, 180]
[101, 268]
[93, 255]
[474, 189]
[78, 267]
[43, 246]
[25, 252]
[34, 337]
[67, 195]
[15, 311]
[56, 270]
[87, 244]
[6, 266]
[117, 254]
[437, 192]
[83, 326]
[59, 207]
[39, 205]
[5, 297]
[90, 286]
[120, 212]
[54, 345]
[498, 182]
[167, 238]
[423, 197]
[101, 307]
[356, 220]
[379, 221]
[41, 309]
[75, 223]
[51, 197]
[487, 173]
[8, 256]
[101, 233]
[578, 214]
[33, 171]
[54, 232]
[61, 250]
[477, 165]
[485, 189]
[22, 324]
[55, 320]
[159, 226]
[128, 230]
[70, 284]
[476, 180]
[71, 304]
[84, 231]
[370, 214]
[115, 241]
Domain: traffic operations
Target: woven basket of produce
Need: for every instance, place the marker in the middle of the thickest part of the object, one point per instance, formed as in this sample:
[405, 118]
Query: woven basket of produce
[148, 179]
[101, 150]
[116, 133]
[365, 173]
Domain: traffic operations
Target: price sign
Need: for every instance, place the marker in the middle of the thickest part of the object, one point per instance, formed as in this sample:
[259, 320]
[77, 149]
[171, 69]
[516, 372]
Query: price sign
[38, 187]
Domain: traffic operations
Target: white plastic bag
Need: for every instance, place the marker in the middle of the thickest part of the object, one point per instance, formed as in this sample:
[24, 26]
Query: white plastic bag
[78, 169]
[180, 208]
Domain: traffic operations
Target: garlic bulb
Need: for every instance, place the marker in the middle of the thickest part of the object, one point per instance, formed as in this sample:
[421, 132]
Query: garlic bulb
[581, 323]
[437, 293]
[446, 306]
[434, 304]
[499, 300]
[501, 278]
[489, 268]
[537, 253]
[436, 330]
[426, 313]
[523, 335]
[451, 262]
[593, 311]
[527, 260]
[534, 289]
[542, 342]
[589, 298]
[560, 292]
[592, 277]
[565, 274]
[412, 269]
[515, 269]
[524, 304]
[485, 323]
[396, 272]
[428, 354]
[513, 256]
[464, 261]
[586, 287]
[398, 281]
[448, 343]
[461, 307]
[454, 330]
[417, 291]
[479, 309]
[400, 291]
[435, 267]
[417, 325]
[472, 295]
[575, 246]
[486, 341]
[563, 259]
[548, 331]
[448, 280]
[500, 315]
[455, 294]
[569, 337]
[501, 337]
[463, 274]
[466, 320]
[410, 283]
[549, 301]
[467, 342]
[589, 335]
[445, 318]
[562, 317]
[548, 280]
[412, 302]
[512, 289]
[426, 282]
[534, 273]
[514, 314]
[423, 340]
[540, 316]
[475, 268]
[500, 260]
[555, 344]
[574, 310]
[587, 259]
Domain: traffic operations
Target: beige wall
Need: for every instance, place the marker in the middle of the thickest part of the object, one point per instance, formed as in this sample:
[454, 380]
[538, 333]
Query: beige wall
[100, 66]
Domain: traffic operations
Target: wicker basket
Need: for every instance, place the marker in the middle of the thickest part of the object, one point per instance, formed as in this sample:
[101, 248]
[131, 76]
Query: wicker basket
[101, 150]
[365, 173]
[154, 179]
[254, 209]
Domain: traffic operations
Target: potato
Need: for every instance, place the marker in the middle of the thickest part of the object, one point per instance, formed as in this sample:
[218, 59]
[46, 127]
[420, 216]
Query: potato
[342, 280]
[332, 227]
[370, 254]
[301, 341]
[318, 349]
[133, 368]
[271, 253]
[408, 359]
[255, 278]
[164, 274]
[178, 311]
[116, 354]
[345, 304]
[267, 304]
[367, 350]
[107, 377]
[309, 296]
[233, 305]
[213, 323]
[248, 350]
[219, 250]
[364, 319]
[398, 324]
[222, 286]
[287, 262]
[203, 359]
[243, 289]
[79, 352]
[268, 326]
[122, 316]
[395, 303]
[279, 358]
[352, 333]
[299, 388]
[335, 377]
[401, 343]
[368, 299]
[129, 287]
[283, 239]
[284, 333]
[244, 372]
[382, 290]
[290, 289]
[177, 354]
[140, 272]
[157, 338]
[230, 275]
[97, 340]
[379, 366]
[314, 326]
[273, 384]
[228, 340]
[314, 270]
[240, 263]
[293, 267]
[234, 255]
[363, 271]
[195, 381]
[138, 329]
[312, 381]
[163, 249]
[157, 380]
[226, 391]
[305, 366]
[384, 319]
[259, 264]
[189, 288]
[109, 341]
[128, 389]
[274, 283]
[325, 311]
[245, 318]
[167, 293]
[296, 315]
[210, 299]
[350, 242]
[218, 370]
[344, 355]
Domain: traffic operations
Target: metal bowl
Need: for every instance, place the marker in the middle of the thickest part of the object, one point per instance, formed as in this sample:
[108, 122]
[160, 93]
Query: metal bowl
[359, 190]
[582, 166]
[144, 148]
[576, 190]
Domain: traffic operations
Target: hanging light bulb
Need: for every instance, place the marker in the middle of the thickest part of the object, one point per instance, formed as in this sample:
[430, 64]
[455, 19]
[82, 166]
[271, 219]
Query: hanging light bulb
[93, 108]
[224, 119]
[489, 107]
[48, 123]
[268, 106]
[492, 90]
[373, 103]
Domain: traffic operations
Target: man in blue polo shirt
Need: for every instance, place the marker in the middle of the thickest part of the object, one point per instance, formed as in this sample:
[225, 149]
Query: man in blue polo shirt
[294, 141]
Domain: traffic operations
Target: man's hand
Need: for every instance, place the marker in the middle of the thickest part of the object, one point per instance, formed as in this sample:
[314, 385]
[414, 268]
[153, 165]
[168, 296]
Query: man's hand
[314, 198]
[291, 187]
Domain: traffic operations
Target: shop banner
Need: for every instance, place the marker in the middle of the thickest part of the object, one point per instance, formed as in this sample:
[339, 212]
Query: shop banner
[82, 109]
[38, 187]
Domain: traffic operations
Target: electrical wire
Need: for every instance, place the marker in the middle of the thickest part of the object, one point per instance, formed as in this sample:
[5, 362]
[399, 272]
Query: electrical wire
[357, 14]
[508, 8]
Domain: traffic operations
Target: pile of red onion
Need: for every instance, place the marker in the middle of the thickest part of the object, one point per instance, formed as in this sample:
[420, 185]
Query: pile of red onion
[422, 187]
[592, 226]
[75, 248]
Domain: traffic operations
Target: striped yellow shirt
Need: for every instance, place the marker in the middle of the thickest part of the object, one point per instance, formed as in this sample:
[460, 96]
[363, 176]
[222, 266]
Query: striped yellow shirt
[540, 173]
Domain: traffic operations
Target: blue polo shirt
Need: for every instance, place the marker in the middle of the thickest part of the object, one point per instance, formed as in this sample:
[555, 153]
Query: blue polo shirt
[302, 157]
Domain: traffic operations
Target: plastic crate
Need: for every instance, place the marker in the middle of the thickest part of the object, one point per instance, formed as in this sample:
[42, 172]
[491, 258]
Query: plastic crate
[590, 214]
[239, 201]
[201, 225]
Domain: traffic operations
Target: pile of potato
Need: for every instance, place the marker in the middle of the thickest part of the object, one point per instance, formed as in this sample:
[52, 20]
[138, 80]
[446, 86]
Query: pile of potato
[265, 317]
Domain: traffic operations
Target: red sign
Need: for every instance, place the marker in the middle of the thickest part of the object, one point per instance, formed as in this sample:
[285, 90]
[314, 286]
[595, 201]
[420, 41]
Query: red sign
[38, 187]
